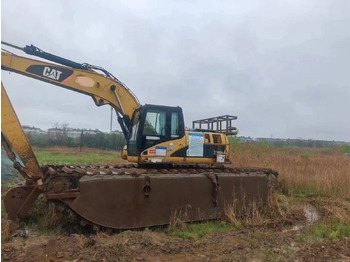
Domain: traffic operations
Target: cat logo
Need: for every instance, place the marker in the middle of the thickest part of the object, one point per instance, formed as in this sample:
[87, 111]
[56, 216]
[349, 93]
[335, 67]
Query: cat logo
[52, 73]
[56, 73]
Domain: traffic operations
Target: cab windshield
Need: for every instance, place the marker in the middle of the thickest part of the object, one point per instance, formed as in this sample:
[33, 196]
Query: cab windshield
[155, 123]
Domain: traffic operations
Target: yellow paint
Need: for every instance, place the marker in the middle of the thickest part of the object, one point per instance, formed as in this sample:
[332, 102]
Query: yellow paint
[12, 130]
[182, 143]
[83, 81]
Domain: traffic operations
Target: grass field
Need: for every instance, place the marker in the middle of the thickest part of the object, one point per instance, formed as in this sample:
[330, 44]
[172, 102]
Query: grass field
[78, 158]
[65, 155]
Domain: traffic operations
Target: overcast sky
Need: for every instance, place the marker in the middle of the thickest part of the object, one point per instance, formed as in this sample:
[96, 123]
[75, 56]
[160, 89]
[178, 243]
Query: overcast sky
[281, 66]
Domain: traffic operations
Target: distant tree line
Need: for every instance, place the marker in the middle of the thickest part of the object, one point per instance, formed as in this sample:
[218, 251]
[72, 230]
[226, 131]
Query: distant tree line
[292, 142]
[106, 141]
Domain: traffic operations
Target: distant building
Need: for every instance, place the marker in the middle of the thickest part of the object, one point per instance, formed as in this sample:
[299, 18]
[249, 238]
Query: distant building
[33, 131]
[55, 133]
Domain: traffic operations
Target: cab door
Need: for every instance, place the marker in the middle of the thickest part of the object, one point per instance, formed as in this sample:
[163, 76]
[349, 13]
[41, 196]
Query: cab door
[154, 128]
[152, 125]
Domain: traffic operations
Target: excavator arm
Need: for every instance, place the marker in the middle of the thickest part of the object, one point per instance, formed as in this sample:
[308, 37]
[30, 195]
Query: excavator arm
[19, 200]
[103, 87]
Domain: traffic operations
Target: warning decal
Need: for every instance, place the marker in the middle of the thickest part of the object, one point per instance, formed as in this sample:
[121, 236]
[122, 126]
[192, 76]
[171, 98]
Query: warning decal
[196, 144]
[161, 150]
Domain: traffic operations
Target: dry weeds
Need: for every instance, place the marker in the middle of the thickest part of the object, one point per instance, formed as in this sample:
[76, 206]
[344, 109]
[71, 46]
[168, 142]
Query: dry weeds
[303, 171]
[7, 229]
[281, 211]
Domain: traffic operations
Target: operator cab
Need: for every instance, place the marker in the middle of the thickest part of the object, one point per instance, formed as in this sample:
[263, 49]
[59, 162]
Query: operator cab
[152, 125]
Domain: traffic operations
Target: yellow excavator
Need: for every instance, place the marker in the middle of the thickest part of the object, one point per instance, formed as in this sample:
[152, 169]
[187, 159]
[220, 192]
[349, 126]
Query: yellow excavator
[176, 173]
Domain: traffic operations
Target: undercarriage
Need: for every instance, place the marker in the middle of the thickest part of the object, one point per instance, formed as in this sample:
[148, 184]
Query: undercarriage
[130, 196]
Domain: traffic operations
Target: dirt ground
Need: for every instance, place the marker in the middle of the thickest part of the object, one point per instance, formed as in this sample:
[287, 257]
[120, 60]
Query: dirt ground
[290, 238]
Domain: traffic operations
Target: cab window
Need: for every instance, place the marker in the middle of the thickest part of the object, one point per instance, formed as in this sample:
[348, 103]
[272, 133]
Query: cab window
[174, 125]
[135, 127]
[155, 124]
[132, 147]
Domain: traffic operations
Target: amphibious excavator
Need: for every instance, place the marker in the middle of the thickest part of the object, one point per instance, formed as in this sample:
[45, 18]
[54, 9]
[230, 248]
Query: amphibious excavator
[175, 173]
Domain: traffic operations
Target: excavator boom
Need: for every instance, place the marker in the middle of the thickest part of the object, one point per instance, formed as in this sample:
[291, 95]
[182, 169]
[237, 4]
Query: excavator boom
[103, 88]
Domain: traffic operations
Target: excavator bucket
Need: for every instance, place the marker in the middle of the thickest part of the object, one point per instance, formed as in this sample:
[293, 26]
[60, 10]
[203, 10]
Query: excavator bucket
[19, 200]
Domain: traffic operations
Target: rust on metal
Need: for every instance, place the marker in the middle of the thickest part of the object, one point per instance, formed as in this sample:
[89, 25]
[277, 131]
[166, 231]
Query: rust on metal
[19, 200]
[51, 171]
[125, 204]
[126, 196]
[214, 179]
[58, 196]
[221, 124]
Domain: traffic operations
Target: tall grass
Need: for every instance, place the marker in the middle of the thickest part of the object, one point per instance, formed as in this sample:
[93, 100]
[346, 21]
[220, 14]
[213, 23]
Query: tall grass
[303, 171]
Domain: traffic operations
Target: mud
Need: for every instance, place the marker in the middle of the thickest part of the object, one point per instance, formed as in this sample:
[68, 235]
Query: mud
[243, 245]
[250, 243]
